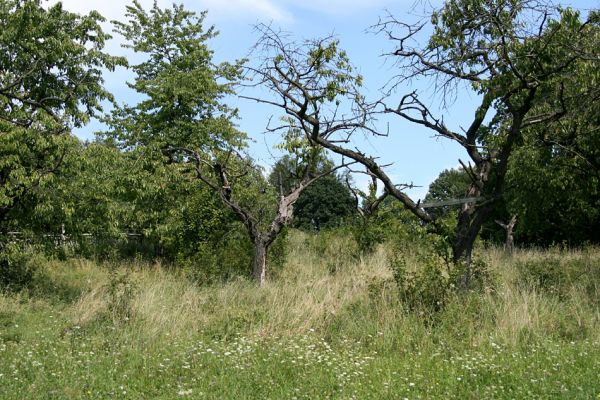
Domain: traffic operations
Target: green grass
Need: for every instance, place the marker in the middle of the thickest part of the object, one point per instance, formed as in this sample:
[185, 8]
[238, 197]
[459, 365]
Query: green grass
[84, 332]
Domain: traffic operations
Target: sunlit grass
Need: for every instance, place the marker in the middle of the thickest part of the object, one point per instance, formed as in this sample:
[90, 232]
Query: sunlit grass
[327, 325]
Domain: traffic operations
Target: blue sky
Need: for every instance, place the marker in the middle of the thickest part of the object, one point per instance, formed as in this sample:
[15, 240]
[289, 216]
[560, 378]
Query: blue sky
[416, 155]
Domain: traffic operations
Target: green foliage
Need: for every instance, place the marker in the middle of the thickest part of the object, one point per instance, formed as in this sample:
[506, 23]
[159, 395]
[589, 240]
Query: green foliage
[326, 203]
[29, 164]
[425, 291]
[429, 286]
[333, 67]
[392, 223]
[115, 205]
[555, 195]
[51, 62]
[185, 130]
[554, 176]
[441, 236]
[16, 270]
[561, 276]
[369, 234]
[183, 88]
[209, 260]
[301, 156]
[449, 185]
[121, 291]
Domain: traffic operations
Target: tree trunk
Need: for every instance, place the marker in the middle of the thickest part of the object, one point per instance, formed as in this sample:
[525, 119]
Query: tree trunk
[462, 249]
[470, 221]
[259, 261]
[509, 244]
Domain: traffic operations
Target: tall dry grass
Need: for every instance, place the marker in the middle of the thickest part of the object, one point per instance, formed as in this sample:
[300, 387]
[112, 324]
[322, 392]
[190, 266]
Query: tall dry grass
[332, 291]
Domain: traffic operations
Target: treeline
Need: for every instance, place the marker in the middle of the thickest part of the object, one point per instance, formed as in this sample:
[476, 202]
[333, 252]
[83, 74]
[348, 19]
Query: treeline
[173, 169]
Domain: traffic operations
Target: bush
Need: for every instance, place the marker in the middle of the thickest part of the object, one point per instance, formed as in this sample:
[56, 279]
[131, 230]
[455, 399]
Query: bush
[16, 268]
[231, 258]
[121, 291]
[427, 290]
[210, 263]
[368, 235]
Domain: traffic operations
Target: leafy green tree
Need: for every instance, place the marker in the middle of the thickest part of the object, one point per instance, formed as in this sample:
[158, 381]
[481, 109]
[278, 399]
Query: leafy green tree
[110, 203]
[326, 203]
[182, 114]
[450, 184]
[51, 65]
[95, 201]
[556, 195]
[184, 120]
[183, 88]
[554, 178]
[517, 56]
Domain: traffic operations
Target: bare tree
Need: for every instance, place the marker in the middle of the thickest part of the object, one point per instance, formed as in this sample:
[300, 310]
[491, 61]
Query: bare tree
[227, 174]
[509, 243]
[514, 55]
[315, 84]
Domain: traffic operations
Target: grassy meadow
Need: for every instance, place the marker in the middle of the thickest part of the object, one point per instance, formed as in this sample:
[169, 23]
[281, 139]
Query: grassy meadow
[328, 324]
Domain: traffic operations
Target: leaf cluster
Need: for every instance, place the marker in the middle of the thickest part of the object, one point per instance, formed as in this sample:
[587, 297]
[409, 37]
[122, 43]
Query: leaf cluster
[51, 64]
[182, 86]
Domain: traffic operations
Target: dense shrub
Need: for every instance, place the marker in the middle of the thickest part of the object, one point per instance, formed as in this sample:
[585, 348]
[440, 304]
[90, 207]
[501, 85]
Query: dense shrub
[428, 288]
[391, 223]
[16, 268]
[121, 291]
[324, 204]
[215, 262]
[229, 258]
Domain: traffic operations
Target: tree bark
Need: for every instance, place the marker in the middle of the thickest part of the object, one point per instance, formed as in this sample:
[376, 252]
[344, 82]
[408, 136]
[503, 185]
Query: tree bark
[470, 220]
[509, 244]
[510, 238]
[259, 261]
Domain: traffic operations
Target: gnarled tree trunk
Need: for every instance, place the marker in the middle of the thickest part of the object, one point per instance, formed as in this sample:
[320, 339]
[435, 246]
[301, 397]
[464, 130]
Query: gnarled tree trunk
[261, 238]
[509, 243]
[259, 261]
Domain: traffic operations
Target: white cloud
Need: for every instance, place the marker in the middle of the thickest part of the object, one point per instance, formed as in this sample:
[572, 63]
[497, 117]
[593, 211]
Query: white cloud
[338, 7]
[263, 10]
[260, 9]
